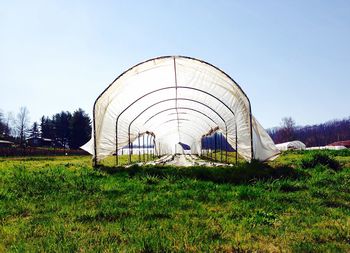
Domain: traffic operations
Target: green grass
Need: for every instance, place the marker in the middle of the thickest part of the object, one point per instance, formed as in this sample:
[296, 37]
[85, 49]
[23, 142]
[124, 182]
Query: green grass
[124, 159]
[61, 204]
[231, 157]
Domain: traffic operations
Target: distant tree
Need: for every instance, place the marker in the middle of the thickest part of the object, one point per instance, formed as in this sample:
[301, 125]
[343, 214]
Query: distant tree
[2, 125]
[67, 129]
[34, 131]
[21, 125]
[47, 128]
[61, 122]
[9, 122]
[287, 129]
[315, 135]
[80, 127]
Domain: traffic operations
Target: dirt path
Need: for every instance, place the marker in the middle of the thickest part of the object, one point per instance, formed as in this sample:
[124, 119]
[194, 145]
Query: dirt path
[184, 161]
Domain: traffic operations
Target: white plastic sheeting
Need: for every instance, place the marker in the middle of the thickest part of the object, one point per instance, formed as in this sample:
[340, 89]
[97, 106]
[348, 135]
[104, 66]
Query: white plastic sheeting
[179, 99]
[327, 147]
[292, 145]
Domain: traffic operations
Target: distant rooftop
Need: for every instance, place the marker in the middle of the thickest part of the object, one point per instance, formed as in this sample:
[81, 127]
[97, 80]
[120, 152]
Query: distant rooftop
[341, 143]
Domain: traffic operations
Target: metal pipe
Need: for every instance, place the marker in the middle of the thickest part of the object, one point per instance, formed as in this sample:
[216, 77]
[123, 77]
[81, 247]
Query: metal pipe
[221, 147]
[132, 151]
[215, 147]
[207, 146]
[138, 138]
[251, 130]
[94, 127]
[143, 147]
[180, 108]
[148, 145]
[129, 160]
[236, 146]
[203, 140]
[116, 144]
[151, 150]
[211, 147]
[226, 146]
[154, 147]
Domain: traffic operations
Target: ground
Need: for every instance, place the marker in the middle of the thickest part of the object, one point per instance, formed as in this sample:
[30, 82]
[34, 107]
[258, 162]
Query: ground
[299, 202]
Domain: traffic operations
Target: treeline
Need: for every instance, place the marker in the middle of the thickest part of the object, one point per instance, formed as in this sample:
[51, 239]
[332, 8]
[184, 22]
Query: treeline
[312, 136]
[69, 130]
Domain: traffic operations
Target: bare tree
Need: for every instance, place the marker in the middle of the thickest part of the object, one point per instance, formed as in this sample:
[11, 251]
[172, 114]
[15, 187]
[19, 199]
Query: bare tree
[22, 121]
[314, 135]
[2, 124]
[5, 128]
[10, 122]
[288, 129]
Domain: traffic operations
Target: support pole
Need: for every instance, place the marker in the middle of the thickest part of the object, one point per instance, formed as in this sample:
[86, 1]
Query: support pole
[236, 146]
[116, 144]
[226, 146]
[215, 147]
[154, 147]
[139, 147]
[147, 147]
[150, 147]
[132, 151]
[151, 143]
[203, 146]
[207, 146]
[143, 147]
[221, 147]
[129, 147]
[203, 141]
[211, 147]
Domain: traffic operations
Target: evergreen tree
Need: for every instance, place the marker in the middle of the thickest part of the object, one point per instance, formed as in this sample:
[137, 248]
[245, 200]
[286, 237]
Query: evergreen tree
[61, 122]
[80, 127]
[34, 131]
[47, 128]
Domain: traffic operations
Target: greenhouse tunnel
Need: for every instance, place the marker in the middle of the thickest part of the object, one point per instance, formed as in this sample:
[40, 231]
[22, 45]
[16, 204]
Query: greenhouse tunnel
[172, 100]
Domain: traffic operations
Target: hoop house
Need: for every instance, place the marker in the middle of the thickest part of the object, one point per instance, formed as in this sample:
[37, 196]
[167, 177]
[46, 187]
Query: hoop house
[178, 100]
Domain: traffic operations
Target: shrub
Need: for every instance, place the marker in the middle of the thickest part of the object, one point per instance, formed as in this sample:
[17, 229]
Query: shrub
[316, 159]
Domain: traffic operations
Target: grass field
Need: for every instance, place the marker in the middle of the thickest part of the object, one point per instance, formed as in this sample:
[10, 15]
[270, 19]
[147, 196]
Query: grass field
[297, 203]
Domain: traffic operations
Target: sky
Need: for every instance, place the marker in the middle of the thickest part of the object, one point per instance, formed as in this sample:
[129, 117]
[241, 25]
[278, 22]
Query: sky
[292, 58]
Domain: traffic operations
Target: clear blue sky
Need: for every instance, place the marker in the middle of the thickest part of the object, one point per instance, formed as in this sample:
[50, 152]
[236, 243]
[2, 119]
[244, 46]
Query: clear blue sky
[292, 58]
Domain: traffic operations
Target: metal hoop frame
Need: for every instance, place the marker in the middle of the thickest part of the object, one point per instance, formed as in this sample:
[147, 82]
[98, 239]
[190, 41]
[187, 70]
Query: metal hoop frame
[176, 87]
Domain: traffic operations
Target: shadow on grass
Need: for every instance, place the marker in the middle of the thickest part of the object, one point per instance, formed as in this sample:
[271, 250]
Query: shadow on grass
[241, 173]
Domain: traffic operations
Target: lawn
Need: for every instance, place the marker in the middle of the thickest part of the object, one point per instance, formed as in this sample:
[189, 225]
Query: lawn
[299, 202]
